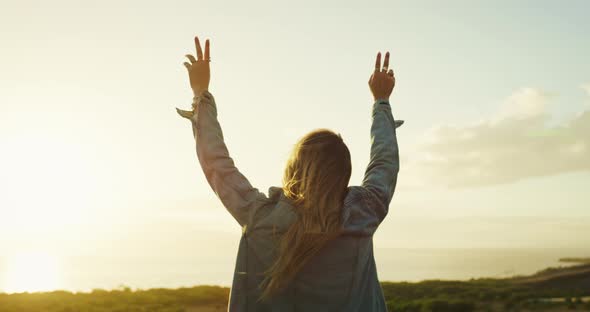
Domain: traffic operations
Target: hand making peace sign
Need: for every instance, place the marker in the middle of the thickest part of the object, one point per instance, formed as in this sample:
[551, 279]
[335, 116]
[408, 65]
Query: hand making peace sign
[382, 80]
[198, 69]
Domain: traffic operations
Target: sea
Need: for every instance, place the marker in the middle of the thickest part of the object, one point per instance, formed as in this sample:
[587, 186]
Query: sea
[85, 273]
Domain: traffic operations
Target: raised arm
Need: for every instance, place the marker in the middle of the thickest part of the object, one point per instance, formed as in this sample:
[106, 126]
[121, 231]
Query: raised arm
[381, 175]
[233, 189]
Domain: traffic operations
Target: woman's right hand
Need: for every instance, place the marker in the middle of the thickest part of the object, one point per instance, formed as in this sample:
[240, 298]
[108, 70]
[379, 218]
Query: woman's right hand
[198, 69]
[382, 80]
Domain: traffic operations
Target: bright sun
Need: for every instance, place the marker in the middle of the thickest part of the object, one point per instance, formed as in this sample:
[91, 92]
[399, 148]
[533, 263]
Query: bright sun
[31, 272]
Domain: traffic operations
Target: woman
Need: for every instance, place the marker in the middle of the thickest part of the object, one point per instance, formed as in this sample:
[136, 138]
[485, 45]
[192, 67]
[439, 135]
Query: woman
[308, 245]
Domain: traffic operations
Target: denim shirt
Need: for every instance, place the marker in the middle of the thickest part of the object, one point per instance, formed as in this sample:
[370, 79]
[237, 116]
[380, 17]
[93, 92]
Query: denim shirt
[340, 277]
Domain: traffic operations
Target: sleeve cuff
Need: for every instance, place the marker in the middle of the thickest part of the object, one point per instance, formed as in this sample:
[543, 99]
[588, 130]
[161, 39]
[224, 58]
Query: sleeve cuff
[380, 104]
[384, 104]
[184, 113]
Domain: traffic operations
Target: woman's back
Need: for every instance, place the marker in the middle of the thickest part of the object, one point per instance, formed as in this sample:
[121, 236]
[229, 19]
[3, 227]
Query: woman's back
[340, 277]
[307, 246]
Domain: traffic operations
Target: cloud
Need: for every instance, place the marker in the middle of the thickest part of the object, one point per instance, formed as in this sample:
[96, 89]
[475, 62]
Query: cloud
[511, 145]
[586, 87]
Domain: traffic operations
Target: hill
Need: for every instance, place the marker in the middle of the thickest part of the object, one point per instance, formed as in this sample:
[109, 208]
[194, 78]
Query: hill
[553, 289]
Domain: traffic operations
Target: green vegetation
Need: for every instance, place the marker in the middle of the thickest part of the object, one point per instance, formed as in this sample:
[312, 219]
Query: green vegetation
[200, 298]
[556, 289]
[480, 295]
[553, 289]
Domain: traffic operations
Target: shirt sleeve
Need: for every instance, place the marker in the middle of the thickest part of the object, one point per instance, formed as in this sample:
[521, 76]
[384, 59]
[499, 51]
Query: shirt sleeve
[380, 176]
[229, 184]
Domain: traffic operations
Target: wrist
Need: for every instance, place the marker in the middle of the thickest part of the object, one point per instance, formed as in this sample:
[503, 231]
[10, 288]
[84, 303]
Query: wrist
[198, 92]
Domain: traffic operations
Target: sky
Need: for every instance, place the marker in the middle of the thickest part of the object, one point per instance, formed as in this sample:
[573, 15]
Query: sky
[94, 160]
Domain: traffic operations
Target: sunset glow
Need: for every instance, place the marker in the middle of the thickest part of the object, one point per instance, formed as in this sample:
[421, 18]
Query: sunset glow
[32, 271]
[98, 171]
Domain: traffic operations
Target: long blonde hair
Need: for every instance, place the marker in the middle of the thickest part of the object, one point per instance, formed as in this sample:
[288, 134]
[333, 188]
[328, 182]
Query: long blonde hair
[316, 181]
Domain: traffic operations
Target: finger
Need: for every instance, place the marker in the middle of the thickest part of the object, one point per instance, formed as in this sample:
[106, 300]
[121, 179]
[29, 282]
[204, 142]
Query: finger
[199, 51]
[386, 62]
[187, 65]
[207, 55]
[191, 58]
[378, 62]
[390, 73]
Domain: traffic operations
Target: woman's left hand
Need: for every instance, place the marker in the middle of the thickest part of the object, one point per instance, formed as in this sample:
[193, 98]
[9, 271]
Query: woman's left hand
[198, 69]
